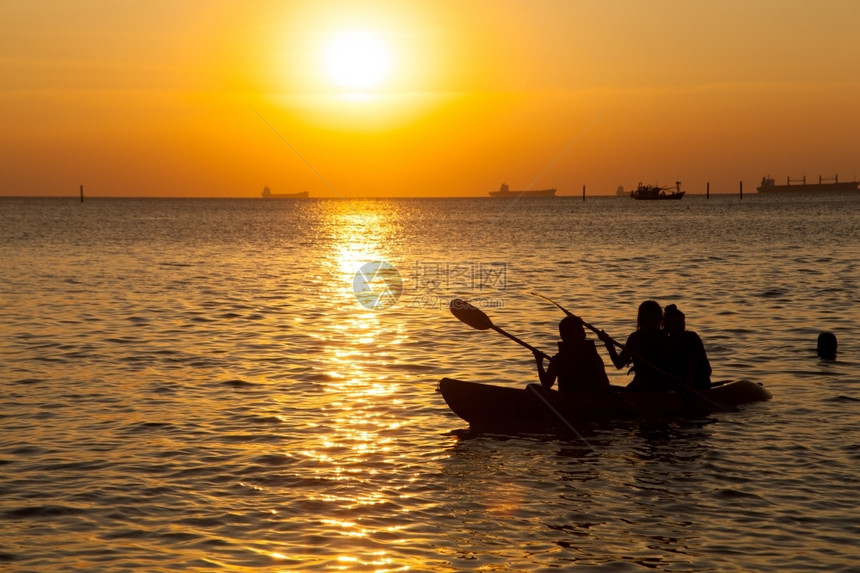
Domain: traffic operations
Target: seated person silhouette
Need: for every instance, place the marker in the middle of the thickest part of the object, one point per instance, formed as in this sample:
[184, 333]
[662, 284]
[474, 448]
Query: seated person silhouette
[647, 349]
[577, 365]
[688, 361]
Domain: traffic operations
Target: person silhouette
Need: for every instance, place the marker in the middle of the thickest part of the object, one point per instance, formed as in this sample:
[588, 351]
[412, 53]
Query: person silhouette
[827, 346]
[688, 361]
[577, 365]
[647, 349]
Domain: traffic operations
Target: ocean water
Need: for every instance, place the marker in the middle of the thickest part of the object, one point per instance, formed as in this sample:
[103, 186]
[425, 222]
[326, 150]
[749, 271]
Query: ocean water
[204, 385]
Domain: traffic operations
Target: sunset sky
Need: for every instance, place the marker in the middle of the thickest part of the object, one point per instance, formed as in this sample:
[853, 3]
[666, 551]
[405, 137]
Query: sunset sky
[439, 98]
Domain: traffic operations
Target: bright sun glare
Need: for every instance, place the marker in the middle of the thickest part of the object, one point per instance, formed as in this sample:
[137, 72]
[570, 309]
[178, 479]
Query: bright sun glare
[357, 60]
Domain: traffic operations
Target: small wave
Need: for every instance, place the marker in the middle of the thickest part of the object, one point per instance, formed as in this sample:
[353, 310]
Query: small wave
[50, 360]
[43, 511]
[165, 352]
[274, 460]
[413, 367]
[736, 494]
[266, 420]
[842, 399]
[202, 522]
[123, 340]
[321, 377]
[28, 450]
[164, 389]
[179, 536]
[239, 384]
[148, 426]
[125, 534]
[201, 319]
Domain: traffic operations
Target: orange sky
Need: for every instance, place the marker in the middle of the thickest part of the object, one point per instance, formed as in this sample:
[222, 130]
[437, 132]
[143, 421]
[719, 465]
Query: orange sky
[219, 98]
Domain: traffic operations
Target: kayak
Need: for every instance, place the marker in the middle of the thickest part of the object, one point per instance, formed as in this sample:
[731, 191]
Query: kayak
[488, 407]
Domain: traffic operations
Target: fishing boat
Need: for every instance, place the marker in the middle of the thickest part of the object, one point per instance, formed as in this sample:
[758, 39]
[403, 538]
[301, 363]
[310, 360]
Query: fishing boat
[267, 194]
[799, 185]
[656, 193]
[505, 192]
[489, 407]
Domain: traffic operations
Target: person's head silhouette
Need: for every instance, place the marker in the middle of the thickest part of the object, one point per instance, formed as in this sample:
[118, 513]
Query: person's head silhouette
[827, 345]
[650, 316]
[570, 329]
[674, 321]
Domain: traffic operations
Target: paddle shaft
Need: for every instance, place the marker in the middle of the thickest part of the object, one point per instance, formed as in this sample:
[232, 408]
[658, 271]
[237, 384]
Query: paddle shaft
[518, 341]
[585, 324]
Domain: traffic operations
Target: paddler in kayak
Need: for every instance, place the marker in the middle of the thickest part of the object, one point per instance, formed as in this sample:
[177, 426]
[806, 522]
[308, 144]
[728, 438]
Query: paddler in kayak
[646, 347]
[688, 360]
[577, 365]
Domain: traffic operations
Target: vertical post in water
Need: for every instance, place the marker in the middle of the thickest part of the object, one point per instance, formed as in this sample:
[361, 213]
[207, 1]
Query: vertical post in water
[741, 193]
[583, 192]
[82, 193]
[708, 190]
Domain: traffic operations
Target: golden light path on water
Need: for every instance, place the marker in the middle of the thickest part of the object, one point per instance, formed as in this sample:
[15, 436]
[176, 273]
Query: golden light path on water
[358, 439]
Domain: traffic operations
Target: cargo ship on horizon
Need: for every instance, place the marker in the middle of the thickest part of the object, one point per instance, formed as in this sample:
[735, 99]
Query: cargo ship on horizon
[267, 194]
[504, 191]
[768, 185]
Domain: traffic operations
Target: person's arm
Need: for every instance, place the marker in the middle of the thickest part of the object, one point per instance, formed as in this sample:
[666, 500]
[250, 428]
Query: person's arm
[618, 360]
[547, 377]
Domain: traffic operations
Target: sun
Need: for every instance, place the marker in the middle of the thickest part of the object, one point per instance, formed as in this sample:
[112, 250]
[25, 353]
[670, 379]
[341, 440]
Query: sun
[357, 60]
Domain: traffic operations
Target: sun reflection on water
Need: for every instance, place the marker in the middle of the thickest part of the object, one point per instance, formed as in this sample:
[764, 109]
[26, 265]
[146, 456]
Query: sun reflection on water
[359, 232]
[352, 450]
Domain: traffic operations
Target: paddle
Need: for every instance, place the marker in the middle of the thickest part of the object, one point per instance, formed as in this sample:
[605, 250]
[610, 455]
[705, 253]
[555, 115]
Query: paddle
[638, 357]
[478, 319]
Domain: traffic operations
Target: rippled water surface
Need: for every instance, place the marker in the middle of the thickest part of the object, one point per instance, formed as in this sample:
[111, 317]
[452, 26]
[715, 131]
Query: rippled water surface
[194, 385]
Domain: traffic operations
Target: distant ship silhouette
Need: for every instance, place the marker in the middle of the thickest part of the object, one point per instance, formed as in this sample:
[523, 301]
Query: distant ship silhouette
[656, 193]
[505, 191]
[768, 185]
[267, 194]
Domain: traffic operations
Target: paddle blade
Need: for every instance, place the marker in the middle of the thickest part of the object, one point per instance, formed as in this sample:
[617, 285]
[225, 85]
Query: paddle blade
[474, 317]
